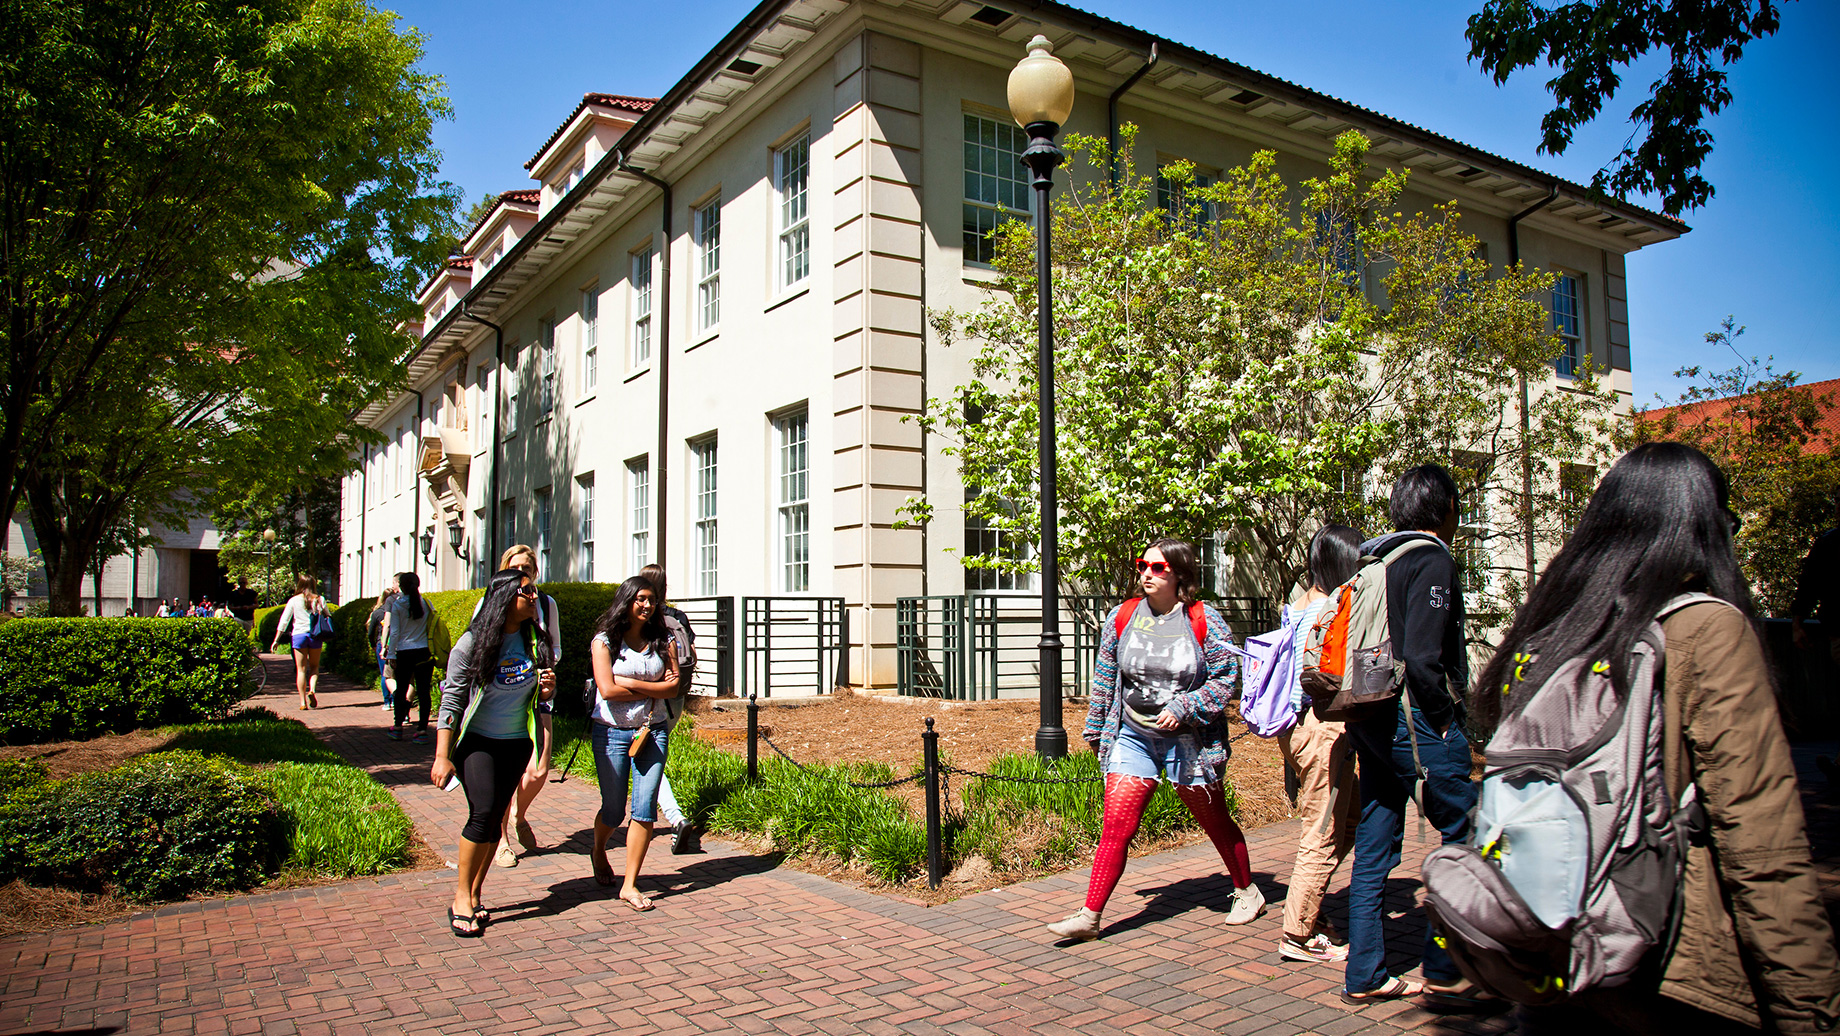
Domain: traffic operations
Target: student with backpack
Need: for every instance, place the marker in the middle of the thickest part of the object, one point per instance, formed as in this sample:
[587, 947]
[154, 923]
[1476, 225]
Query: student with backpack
[1317, 749]
[308, 625]
[406, 643]
[1635, 677]
[1165, 674]
[1405, 672]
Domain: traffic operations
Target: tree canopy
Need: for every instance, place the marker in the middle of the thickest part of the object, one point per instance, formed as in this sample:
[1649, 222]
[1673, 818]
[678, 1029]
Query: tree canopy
[1588, 42]
[1260, 361]
[213, 217]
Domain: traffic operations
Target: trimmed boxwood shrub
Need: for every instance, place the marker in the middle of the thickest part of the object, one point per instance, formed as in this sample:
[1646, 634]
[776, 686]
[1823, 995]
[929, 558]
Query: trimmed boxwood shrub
[579, 604]
[76, 678]
[262, 632]
[159, 827]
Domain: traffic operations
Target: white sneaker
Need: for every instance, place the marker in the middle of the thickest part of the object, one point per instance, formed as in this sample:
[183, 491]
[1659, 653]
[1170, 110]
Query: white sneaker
[1317, 948]
[1248, 904]
[1080, 925]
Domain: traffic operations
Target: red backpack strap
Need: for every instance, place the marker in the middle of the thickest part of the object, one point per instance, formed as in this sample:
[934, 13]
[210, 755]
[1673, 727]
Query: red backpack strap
[1197, 621]
[1125, 611]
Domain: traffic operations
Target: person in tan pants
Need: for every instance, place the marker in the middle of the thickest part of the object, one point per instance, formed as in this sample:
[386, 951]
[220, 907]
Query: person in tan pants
[1319, 752]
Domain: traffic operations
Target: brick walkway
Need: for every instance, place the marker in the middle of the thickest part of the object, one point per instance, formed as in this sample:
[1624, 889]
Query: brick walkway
[734, 945]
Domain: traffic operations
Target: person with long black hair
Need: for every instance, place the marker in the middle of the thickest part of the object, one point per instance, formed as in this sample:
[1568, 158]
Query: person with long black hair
[635, 666]
[1755, 947]
[486, 728]
[1159, 698]
[406, 632]
[1317, 749]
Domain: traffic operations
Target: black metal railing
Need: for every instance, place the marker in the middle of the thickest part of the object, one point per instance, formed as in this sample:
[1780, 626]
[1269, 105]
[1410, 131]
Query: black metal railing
[794, 643]
[713, 619]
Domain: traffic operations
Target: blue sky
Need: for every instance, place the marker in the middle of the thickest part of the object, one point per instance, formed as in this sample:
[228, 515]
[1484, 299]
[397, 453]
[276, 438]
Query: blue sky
[1766, 250]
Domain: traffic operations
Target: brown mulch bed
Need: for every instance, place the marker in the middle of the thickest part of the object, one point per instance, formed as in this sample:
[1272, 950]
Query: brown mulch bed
[862, 728]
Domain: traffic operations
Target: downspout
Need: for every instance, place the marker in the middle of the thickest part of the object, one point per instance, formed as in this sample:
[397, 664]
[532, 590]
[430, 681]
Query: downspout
[1111, 113]
[498, 414]
[415, 525]
[661, 464]
[1514, 259]
[364, 512]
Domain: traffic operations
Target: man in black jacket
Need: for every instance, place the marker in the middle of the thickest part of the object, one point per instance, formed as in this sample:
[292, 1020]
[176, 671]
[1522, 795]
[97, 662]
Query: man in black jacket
[1426, 758]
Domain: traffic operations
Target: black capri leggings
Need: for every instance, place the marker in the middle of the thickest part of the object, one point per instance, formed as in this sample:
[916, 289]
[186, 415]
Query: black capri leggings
[414, 667]
[489, 768]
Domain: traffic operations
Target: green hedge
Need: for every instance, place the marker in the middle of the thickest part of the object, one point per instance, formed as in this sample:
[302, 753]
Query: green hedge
[75, 678]
[579, 604]
[262, 632]
[159, 827]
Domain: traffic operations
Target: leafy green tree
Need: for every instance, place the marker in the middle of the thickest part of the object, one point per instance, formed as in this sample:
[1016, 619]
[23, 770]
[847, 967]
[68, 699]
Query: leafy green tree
[1226, 370]
[1590, 40]
[212, 217]
[1766, 432]
[305, 519]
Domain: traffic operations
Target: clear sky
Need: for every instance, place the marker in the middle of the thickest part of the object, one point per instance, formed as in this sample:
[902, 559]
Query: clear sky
[1766, 250]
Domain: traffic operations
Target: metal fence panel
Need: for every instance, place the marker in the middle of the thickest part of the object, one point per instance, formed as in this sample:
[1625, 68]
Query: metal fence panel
[712, 619]
[793, 643]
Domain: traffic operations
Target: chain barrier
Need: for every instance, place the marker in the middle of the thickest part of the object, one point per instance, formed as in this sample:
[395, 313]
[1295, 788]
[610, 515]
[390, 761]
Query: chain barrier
[867, 785]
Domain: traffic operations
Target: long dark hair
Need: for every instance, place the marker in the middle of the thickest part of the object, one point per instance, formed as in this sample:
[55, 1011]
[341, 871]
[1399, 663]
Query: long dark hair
[1182, 567]
[488, 627]
[411, 586]
[618, 616]
[1335, 553]
[1658, 525]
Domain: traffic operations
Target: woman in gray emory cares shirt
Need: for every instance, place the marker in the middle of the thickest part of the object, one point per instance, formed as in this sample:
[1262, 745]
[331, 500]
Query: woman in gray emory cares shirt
[484, 737]
[634, 667]
[1159, 698]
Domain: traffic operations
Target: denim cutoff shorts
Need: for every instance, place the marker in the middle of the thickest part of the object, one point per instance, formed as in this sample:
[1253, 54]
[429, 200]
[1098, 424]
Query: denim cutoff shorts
[613, 767]
[1176, 756]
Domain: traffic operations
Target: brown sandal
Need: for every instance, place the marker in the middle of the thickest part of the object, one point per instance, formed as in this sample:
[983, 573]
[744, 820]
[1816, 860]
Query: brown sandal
[641, 903]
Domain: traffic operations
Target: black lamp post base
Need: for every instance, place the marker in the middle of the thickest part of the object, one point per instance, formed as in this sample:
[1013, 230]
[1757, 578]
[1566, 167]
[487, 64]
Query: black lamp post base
[1051, 743]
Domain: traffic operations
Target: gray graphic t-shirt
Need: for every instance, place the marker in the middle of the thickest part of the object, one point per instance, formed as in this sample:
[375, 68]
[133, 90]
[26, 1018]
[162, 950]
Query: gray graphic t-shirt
[1157, 659]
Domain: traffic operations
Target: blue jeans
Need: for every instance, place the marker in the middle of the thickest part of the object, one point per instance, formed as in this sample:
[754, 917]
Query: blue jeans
[1176, 756]
[613, 766]
[1387, 781]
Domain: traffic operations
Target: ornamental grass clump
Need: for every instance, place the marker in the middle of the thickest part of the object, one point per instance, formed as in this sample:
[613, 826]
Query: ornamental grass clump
[342, 823]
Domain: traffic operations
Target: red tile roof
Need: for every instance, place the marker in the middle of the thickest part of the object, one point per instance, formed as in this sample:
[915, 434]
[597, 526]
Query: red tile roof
[1826, 431]
[636, 105]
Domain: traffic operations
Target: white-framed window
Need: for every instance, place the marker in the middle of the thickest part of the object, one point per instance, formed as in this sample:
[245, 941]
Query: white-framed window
[792, 183]
[584, 525]
[545, 511]
[1567, 292]
[1181, 209]
[401, 449]
[794, 509]
[639, 511]
[996, 183]
[703, 460]
[546, 348]
[982, 538]
[706, 231]
[590, 337]
[510, 374]
[1473, 529]
[569, 179]
[641, 287]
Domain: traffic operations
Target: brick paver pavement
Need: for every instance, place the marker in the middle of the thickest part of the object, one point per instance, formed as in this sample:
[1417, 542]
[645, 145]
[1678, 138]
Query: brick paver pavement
[735, 944]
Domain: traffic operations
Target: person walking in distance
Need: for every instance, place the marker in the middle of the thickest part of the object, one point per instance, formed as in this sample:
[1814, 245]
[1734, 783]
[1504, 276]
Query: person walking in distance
[298, 623]
[487, 720]
[406, 642]
[1755, 947]
[549, 642]
[1424, 605]
[242, 602]
[377, 633]
[1164, 677]
[1317, 751]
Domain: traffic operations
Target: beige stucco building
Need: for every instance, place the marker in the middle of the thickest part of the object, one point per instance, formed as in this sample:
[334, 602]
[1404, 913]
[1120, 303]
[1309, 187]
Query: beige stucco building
[697, 339]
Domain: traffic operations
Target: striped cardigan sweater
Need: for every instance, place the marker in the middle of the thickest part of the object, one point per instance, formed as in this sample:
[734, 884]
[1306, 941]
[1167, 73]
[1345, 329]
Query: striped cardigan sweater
[1203, 709]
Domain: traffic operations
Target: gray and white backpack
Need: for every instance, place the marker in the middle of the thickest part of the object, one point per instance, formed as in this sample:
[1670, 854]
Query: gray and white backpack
[1573, 869]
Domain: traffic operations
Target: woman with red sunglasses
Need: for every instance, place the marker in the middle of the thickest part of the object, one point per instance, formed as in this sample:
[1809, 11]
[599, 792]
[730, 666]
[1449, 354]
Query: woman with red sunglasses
[1165, 673]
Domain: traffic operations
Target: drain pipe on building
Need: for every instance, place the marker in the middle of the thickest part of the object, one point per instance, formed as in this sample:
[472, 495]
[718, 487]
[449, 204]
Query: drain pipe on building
[498, 414]
[415, 523]
[1111, 113]
[661, 465]
[1514, 258]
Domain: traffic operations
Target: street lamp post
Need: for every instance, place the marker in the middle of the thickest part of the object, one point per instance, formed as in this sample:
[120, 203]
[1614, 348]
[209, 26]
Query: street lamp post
[268, 537]
[1040, 99]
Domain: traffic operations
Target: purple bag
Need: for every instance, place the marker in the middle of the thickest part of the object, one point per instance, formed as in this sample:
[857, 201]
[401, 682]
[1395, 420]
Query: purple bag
[1268, 668]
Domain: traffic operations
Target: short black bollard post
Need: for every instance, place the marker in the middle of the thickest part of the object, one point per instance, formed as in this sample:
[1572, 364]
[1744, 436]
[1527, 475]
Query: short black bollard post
[753, 738]
[935, 857]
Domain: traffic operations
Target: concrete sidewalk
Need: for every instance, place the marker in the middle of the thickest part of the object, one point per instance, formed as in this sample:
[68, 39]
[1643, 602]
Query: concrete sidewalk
[735, 944]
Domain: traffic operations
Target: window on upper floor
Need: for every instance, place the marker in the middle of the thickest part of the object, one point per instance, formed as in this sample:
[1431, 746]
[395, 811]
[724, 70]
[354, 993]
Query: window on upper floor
[400, 447]
[545, 511]
[706, 232]
[1568, 322]
[510, 375]
[1474, 530]
[641, 287]
[639, 511]
[996, 183]
[590, 337]
[1176, 197]
[792, 183]
[546, 350]
[482, 392]
[568, 180]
